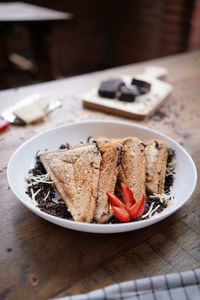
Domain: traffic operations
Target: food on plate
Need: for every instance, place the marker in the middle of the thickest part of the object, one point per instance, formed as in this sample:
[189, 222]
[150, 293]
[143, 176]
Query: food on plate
[75, 178]
[143, 86]
[110, 157]
[128, 209]
[128, 94]
[156, 153]
[132, 167]
[104, 180]
[110, 87]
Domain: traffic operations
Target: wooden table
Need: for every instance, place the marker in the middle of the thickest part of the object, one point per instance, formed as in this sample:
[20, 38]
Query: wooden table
[39, 260]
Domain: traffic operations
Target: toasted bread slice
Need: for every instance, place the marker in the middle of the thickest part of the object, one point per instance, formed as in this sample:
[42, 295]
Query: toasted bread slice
[75, 177]
[132, 170]
[110, 153]
[156, 152]
[133, 162]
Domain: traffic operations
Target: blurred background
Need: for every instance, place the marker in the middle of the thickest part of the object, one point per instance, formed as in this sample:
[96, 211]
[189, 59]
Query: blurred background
[94, 35]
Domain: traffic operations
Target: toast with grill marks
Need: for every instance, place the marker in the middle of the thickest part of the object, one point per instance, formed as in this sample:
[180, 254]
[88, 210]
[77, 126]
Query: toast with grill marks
[132, 169]
[111, 153]
[156, 152]
[75, 179]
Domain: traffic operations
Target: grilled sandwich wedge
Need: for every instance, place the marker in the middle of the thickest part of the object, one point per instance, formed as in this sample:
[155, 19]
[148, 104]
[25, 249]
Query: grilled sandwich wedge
[75, 174]
[156, 152]
[111, 156]
[132, 168]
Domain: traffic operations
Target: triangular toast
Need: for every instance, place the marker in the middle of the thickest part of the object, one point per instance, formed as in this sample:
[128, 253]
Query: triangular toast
[156, 152]
[111, 153]
[132, 170]
[75, 173]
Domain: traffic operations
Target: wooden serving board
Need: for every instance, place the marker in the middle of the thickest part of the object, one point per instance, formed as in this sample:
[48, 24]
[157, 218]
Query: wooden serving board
[142, 107]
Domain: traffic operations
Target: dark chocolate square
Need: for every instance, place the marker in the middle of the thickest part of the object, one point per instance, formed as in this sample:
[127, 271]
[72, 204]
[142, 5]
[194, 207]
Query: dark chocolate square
[143, 86]
[110, 87]
[128, 94]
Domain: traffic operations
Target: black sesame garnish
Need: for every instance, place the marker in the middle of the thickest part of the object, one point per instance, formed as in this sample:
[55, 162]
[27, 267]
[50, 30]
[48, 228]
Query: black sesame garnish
[88, 139]
[156, 144]
[65, 146]
[143, 145]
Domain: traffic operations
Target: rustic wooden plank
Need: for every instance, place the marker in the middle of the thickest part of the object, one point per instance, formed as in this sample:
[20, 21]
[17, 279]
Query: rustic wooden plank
[185, 238]
[148, 260]
[172, 252]
[97, 279]
[77, 288]
[130, 269]
[193, 221]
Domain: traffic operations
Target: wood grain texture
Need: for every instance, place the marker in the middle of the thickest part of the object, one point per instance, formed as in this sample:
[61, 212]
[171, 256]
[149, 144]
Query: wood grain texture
[39, 260]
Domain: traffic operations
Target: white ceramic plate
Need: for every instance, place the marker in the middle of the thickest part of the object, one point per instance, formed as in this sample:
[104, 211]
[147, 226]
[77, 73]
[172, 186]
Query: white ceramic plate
[24, 157]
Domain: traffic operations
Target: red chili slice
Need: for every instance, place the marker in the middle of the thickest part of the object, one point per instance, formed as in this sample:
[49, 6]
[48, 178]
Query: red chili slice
[121, 214]
[115, 201]
[128, 209]
[137, 209]
[128, 197]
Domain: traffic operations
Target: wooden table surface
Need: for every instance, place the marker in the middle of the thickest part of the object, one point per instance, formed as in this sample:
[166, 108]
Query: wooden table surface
[39, 260]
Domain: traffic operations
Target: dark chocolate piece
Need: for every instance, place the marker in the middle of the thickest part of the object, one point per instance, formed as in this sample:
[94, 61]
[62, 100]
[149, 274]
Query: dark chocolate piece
[143, 86]
[128, 94]
[110, 87]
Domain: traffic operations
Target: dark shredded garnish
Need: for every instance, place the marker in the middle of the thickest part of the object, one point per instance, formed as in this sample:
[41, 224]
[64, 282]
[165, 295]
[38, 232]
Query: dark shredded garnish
[89, 137]
[156, 144]
[65, 146]
[93, 165]
[49, 206]
[114, 220]
[169, 180]
[143, 145]
[97, 151]
[119, 161]
[157, 202]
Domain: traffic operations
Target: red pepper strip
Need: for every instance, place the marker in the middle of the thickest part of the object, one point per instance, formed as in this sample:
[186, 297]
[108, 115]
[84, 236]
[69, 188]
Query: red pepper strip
[128, 197]
[137, 209]
[3, 124]
[115, 201]
[121, 214]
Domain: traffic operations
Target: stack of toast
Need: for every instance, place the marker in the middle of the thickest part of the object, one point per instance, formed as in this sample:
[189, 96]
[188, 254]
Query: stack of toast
[84, 173]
